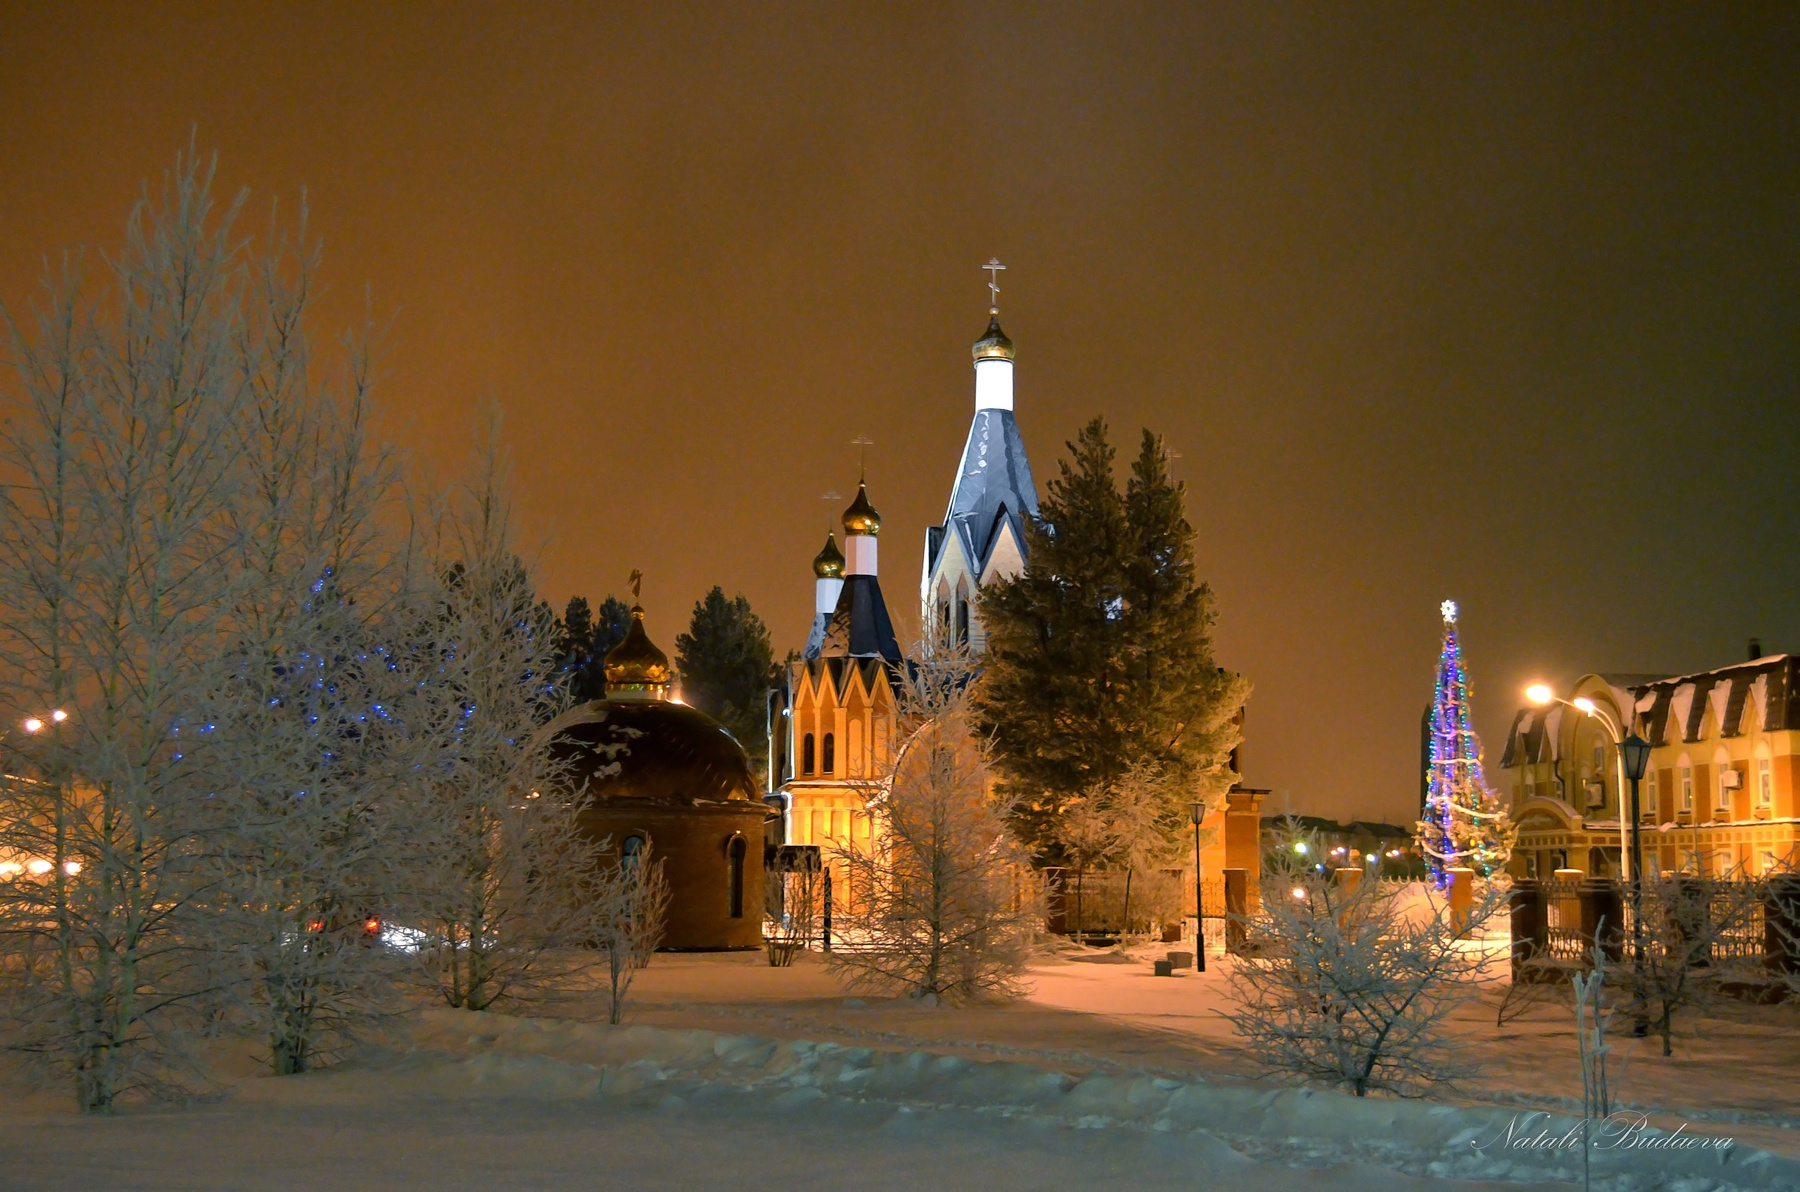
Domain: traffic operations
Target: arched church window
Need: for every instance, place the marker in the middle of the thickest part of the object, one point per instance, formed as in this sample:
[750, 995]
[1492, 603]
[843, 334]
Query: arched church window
[736, 853]
[806, 755]
[630, 849]
[962, 622]
[856, 748]
[830, 754]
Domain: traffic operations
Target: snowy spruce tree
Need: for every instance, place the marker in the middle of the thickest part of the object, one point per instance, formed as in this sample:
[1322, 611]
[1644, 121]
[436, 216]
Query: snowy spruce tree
[1099, 659]
[1465, 825]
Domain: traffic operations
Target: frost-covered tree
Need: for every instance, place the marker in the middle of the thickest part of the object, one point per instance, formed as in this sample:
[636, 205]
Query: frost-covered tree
[1340, 986]
[630, 902]
[1132, 822]
[944, 903]
[119, 605]
[1685, 919]
[505, 884]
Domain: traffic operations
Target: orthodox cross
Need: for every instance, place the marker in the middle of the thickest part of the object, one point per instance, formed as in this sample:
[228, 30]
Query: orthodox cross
[831, 498]
[862, 443]
[636, 581]
[994, 268]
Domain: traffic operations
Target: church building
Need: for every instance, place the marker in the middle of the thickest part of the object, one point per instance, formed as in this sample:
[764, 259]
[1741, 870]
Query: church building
[983, 532]
[831, 723]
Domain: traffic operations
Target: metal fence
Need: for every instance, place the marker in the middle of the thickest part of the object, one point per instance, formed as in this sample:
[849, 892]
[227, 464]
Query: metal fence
[1709, 921]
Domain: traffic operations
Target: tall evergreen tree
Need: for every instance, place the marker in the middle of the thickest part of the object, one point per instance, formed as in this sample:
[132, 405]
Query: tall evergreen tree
[583, 640]
[727, 666]
[1099, 653]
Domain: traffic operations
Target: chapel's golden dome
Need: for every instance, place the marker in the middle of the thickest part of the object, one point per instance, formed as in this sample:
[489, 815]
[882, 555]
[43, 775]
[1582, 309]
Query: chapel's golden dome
[635, 663]
[861, 517]
[829, 563]
[994, 345]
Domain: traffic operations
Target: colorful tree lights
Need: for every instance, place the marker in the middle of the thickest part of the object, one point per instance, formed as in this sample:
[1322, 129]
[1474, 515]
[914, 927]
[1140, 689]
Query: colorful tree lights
[1464, 825]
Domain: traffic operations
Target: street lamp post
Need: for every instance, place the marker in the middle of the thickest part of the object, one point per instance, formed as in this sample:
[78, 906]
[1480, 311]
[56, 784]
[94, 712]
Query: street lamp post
[1197, 812]
[1634, 755]
[1540, 694]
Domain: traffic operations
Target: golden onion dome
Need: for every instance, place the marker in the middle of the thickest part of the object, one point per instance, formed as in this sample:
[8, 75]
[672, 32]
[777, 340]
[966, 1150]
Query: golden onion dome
[829, 563]
[861, 517]
[635, 664]
[994, 345]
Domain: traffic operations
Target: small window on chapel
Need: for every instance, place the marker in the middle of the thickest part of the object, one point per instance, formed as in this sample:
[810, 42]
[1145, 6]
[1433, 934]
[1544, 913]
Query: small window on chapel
[830, 754]
[806, 754]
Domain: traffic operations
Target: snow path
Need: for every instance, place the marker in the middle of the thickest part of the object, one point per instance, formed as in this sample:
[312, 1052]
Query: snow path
[491, 1102]
[700, 1141]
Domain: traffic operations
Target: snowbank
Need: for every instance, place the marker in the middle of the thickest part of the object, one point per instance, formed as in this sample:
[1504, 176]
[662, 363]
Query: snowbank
[485, 1054]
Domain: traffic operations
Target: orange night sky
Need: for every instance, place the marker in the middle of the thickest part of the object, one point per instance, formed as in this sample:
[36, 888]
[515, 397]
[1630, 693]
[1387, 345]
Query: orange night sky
[1497, 303]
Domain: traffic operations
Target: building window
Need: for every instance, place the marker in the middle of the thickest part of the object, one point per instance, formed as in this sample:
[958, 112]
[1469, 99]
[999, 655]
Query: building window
[630, 849]
[830, 754]
[736, 853]
[962, 622]
[806, 754]
[1687, 788]
[1725, 774]
[1765, 783]
[1652, 808]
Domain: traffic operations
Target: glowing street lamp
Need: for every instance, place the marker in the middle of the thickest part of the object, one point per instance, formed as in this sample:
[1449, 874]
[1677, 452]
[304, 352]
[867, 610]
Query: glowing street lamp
[1540, 694]
[1634, 757]
[33, 724]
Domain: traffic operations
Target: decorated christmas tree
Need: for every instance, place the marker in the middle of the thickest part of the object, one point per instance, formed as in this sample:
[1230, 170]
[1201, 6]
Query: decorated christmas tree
[1464, 825]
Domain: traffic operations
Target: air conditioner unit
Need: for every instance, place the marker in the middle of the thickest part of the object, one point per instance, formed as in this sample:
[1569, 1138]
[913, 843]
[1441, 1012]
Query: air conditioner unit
[1731, 780]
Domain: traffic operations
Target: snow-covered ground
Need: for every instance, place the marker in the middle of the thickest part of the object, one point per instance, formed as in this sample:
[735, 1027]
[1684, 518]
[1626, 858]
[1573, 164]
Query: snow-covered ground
[730, 1073]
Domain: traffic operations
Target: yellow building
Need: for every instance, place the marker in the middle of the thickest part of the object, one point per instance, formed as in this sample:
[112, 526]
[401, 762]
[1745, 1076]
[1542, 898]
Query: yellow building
[1719, 792]
[833, 718]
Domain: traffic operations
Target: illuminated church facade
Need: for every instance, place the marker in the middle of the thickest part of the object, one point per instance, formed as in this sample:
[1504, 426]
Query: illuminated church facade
[832, 720]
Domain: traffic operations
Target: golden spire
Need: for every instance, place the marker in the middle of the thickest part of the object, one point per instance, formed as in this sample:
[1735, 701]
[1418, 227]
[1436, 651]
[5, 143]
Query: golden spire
[829, 563]
[861, 517]
[635, 666]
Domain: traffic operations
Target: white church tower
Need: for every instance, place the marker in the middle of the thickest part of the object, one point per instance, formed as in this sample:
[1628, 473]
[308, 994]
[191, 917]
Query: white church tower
[983, 534]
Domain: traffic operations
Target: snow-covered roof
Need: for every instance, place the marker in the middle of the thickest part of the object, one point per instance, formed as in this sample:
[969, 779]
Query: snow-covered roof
[993, 488]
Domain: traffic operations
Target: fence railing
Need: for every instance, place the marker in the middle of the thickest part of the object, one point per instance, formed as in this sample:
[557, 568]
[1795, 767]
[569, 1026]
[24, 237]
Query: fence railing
[1730, 923]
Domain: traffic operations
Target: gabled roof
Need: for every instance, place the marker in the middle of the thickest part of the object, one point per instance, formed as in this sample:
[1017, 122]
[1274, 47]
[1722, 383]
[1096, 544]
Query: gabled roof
[860, 627]
[993, 487]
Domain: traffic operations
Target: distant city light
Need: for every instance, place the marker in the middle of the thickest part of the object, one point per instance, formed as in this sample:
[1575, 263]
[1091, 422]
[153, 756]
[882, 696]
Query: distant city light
[71, 867]
[1300, 893]
[59, 716]
[37, 866]
[1300, 847]
[33, 725]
